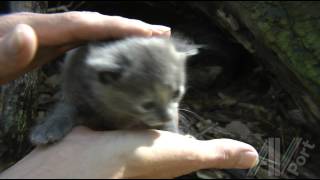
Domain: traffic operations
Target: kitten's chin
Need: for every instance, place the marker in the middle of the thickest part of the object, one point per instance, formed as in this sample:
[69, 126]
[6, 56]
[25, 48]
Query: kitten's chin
[155, 124]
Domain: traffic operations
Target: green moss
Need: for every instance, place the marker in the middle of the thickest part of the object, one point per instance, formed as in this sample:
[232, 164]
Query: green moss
[291, 33]
[311, 40]
[283, 22]
[263, 26]
[283, 40]
[302, 28]
[270, 37]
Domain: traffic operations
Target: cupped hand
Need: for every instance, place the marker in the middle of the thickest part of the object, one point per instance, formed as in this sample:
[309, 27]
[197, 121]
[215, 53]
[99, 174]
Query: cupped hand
[131, 154]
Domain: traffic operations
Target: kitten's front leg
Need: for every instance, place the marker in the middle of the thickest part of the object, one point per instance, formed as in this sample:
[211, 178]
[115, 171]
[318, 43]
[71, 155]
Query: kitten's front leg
[56, 125]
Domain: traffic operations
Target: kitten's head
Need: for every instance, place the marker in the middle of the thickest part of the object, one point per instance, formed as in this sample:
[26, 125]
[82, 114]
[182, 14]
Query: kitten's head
[142, 79]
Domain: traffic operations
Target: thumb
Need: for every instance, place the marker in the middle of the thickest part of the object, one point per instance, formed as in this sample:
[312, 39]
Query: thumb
[17, 49]
[227, 153]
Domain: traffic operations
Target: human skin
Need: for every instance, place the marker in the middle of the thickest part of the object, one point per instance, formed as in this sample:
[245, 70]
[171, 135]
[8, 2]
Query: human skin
[29, 40]
[130, 154]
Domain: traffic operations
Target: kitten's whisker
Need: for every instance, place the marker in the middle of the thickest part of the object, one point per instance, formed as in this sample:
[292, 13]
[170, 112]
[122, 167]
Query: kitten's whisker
[181, 116]
[191, 119]
[185, 116]
[193, 113]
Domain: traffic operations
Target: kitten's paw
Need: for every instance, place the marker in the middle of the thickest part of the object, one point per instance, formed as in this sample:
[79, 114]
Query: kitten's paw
[44, 135]
[38, 138]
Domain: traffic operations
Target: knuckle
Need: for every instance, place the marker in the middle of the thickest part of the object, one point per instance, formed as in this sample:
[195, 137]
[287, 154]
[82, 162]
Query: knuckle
[82, 17]
[72, 16]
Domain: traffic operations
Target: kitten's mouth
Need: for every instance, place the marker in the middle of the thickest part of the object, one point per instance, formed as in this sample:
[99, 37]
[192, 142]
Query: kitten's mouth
[155, 124]
[147, 124]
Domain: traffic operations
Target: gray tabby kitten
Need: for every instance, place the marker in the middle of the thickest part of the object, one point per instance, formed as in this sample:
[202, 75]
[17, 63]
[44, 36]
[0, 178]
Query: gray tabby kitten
[134, 83]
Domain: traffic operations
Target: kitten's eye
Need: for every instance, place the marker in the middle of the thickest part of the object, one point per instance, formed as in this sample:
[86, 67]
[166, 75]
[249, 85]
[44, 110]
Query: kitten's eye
[103, 78]
[106, 77]
[148, 106]
[176, 94]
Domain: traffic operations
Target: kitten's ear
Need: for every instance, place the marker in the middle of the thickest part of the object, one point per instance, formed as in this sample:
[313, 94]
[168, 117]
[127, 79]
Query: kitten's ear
[185, 46]
[106, 70]
[190, 50]
[108, 66]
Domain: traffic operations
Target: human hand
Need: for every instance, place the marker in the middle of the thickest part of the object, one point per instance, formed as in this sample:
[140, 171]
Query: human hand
[131, 154]
[29, 40]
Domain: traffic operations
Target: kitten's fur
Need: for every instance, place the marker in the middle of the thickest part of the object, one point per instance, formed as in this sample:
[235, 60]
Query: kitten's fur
[132, 83]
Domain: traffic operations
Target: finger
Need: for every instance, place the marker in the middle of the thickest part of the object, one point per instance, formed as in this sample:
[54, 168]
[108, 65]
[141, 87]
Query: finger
[95, 26]
[127, 27]
[63, 31]
[227, 153]
[71, 27]
[218, 153]
[17, 49]
[159, 30]
[166, 151]
[46, 54]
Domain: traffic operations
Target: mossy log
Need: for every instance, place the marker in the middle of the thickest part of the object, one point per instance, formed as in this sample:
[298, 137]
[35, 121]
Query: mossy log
[285, 36]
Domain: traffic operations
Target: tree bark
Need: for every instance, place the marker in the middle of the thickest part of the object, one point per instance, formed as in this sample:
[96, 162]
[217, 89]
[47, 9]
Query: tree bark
[285, 36]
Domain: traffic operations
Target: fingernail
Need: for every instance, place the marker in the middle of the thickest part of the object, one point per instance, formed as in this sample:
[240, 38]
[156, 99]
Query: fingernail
[249, 159]
[161, 28]
[256, 162]
[14, 40]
